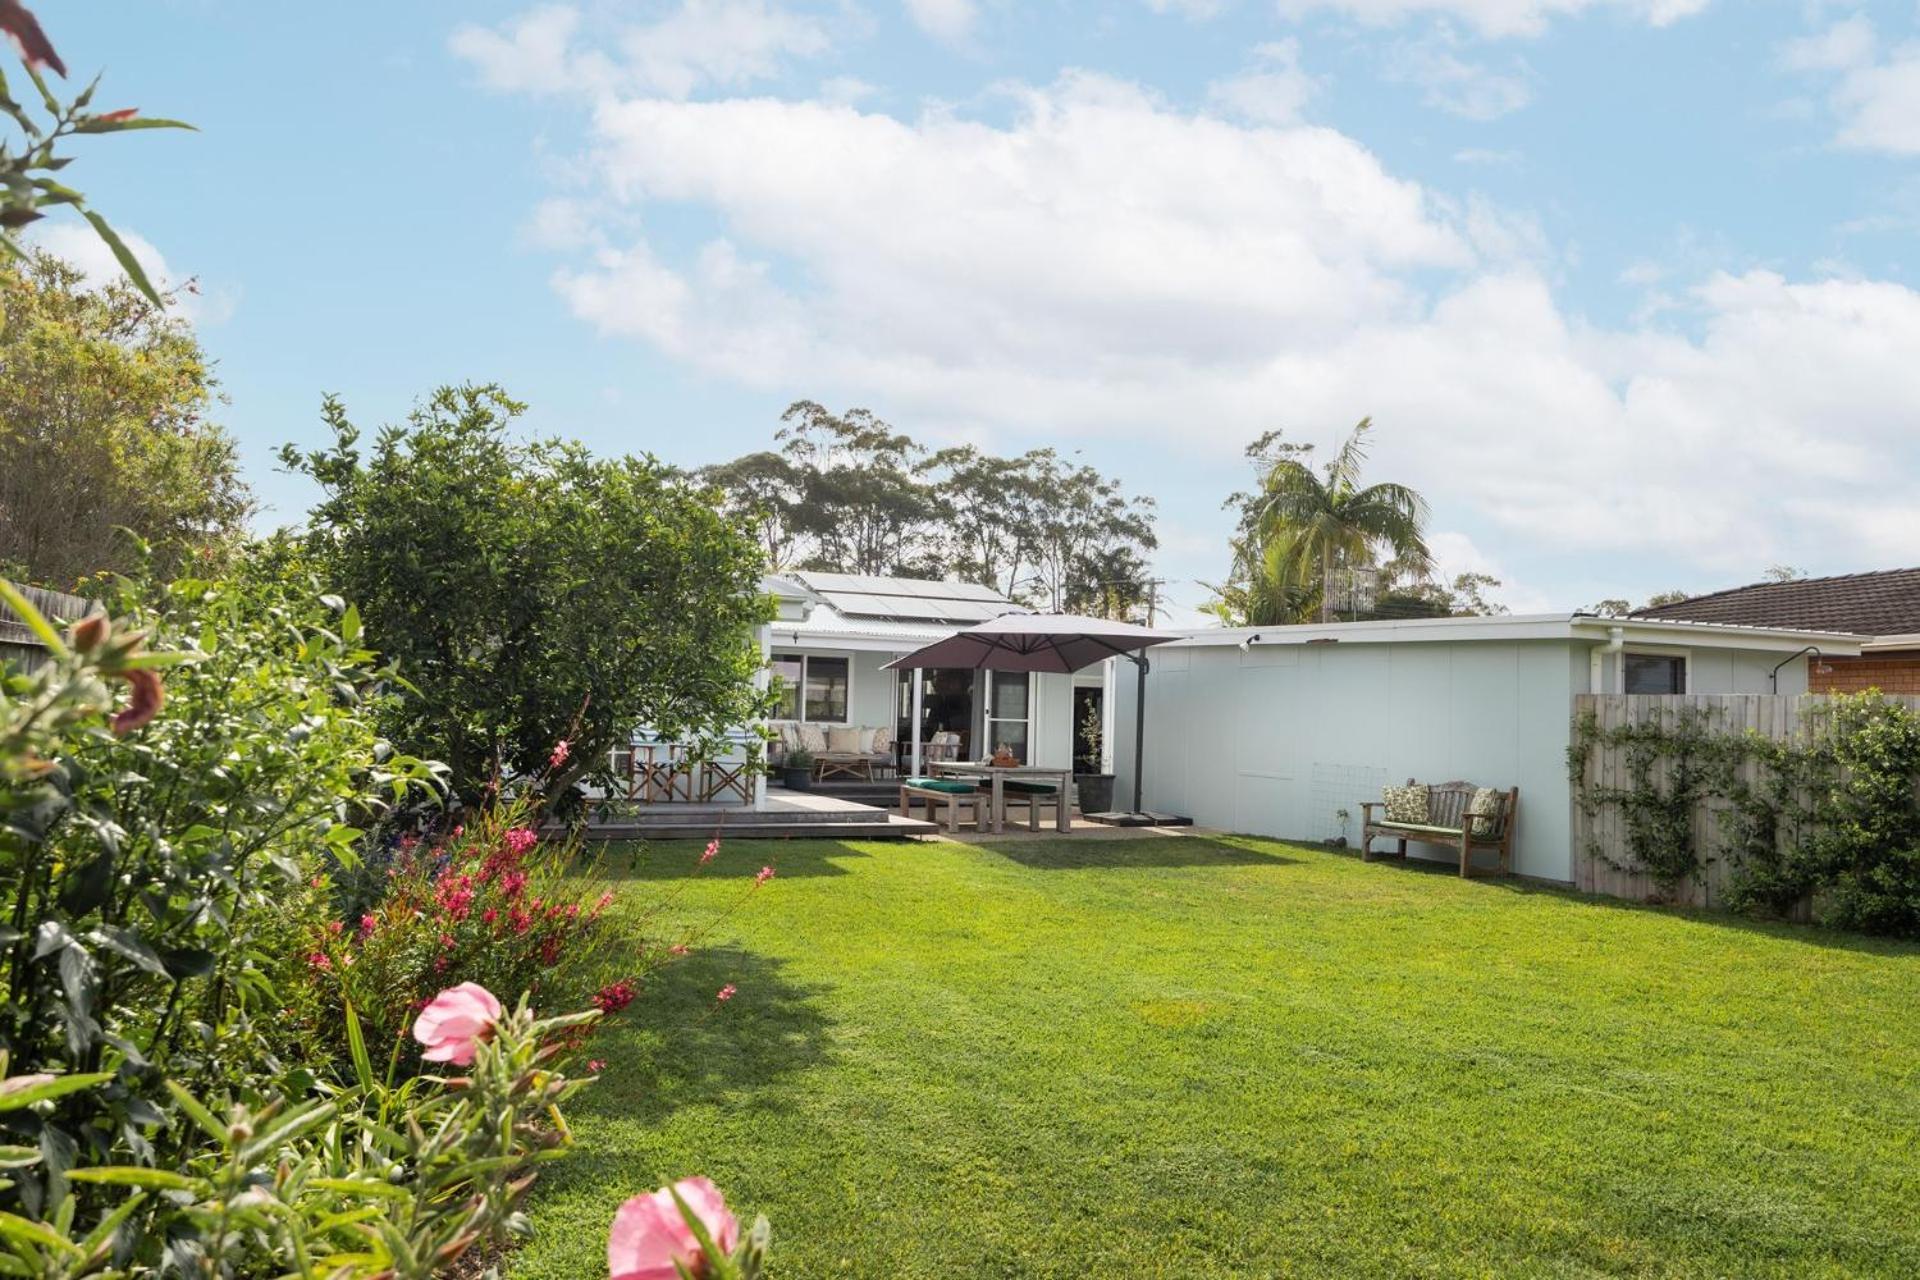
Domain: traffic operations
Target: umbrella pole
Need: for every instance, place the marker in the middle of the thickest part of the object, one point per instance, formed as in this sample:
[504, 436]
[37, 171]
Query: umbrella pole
[1139, 728]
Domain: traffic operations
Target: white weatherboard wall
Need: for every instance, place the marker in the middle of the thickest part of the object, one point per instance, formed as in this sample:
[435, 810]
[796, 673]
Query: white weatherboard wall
[1274, 740]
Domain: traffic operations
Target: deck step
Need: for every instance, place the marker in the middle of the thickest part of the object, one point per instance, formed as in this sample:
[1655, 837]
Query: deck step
[891, 827]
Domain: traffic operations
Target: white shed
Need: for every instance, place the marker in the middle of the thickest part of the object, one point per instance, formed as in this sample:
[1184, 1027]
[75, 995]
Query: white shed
[1275, 730]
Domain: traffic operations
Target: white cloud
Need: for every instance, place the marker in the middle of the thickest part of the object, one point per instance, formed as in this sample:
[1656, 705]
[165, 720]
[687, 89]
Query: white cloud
[1495, 17]
[1453, 84]
[948, 20]
[698, 44]
[1876, 100]
[78, 245]
[1106, 266]
[1272, 90]
[1845, 44]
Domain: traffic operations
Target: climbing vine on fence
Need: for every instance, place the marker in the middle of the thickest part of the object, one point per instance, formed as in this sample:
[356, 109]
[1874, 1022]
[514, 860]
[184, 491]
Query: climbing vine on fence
[1830, 817]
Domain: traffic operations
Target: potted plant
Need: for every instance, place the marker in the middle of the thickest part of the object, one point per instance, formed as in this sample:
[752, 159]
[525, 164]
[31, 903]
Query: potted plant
[1094, 789]
[796, 771]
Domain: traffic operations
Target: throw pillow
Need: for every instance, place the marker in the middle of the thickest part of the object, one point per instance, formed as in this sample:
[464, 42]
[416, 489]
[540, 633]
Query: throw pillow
[813, 738]
[843, 740]
[866, 742]
[883, 741]
[1483, 810]
[1408, 804]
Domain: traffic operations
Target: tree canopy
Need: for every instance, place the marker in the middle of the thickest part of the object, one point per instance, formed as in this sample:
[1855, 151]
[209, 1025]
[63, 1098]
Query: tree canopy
[103, 425]
[848, 492]
[532, 593]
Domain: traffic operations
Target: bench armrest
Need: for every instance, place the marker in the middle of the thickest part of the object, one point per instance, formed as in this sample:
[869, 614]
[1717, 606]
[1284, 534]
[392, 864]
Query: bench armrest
[1368, 806]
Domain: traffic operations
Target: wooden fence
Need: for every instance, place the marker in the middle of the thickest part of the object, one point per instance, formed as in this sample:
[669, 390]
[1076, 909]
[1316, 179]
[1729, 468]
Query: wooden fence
[1601, 851]
[19, 648]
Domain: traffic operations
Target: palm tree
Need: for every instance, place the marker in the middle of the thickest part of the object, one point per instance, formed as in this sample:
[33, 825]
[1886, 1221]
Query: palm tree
[1310, 524]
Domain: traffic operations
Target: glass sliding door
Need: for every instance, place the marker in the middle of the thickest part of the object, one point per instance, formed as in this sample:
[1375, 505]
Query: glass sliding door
[946, 707]
[1009, 712]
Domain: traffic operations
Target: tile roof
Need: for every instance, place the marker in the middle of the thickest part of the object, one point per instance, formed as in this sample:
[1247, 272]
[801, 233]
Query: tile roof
[1867, 604]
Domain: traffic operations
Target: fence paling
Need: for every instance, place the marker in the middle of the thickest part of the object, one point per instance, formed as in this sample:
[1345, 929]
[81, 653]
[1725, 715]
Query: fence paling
[1602, 855]
[19, 647]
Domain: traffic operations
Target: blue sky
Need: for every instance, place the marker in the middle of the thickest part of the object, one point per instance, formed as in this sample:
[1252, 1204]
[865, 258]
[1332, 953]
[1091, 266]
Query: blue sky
[1627, 285]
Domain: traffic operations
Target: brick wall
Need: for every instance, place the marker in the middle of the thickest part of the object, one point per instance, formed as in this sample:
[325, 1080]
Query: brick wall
[1887, 672]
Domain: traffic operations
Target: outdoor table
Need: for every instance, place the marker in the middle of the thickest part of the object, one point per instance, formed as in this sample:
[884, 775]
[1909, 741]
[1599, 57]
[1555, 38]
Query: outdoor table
[999, 773]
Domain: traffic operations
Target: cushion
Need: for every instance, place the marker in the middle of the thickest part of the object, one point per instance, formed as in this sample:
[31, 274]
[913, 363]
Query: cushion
[1020, 787]
[843, 739]
[1408, 804]
[952, 786]
[866, 742]
[1484, 809]
[882, 741]
[813, 738]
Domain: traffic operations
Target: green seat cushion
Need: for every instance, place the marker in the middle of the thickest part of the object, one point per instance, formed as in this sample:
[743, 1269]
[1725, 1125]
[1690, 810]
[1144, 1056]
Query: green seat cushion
[1019, 787]
[1417, 826]
[952, 786]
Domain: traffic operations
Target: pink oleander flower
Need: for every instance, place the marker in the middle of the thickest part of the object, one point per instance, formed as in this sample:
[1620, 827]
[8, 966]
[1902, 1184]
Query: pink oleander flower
[615, 996]
[713, 851]
[726, 993]
[561, 750]
[319, 960]
[766, 874]
[596, 1065]
[367, 925]
[521, 839]
[454, 1022]
[650, 1240]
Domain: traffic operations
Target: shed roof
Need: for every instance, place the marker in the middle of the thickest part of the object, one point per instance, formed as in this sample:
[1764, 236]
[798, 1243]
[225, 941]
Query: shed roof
[1882, 603]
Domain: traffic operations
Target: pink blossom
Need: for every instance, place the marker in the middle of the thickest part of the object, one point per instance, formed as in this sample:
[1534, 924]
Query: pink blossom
[595, 1065]
[766, 874]
[455, 1021]
[367, 926]
[319, 960]
[725, 993]
[713, 851]
[650, 1239]
[561, 750]
[615, 996]
[679, 948]
[521, 839]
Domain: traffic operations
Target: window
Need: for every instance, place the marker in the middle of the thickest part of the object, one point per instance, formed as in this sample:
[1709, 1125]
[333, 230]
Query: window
[1007, 715]
[827, 689]
[811, 687]
[1653, 673]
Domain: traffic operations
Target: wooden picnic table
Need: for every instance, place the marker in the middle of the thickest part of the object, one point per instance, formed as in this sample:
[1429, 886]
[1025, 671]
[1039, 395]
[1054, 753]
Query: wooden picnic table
[1000, 773]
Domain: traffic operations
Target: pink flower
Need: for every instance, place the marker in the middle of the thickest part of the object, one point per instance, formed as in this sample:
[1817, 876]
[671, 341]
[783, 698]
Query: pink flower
[766, 874]
[520, 839]
[713, 850]
[596, 1065]
[649, 1235]
[615, 996]
[319, 960]
[725, 993]
[454, 1022]
[367, 926]
[679, 948]
[561, 750]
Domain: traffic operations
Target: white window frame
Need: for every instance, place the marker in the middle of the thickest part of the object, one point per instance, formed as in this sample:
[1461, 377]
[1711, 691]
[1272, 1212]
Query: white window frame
[1654, 651]
[991, 716]
[800, 716]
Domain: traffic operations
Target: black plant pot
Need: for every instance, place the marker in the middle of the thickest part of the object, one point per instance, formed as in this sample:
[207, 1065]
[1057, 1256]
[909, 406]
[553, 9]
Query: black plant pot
[797, 778]
[1096, 792]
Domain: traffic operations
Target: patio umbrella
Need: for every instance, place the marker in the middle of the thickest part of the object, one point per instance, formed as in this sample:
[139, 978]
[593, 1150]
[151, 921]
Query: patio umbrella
[1057, 642]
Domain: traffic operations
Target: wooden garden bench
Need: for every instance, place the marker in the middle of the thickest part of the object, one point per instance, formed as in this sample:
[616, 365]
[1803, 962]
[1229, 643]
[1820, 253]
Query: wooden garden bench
[1448, 823]
[952, 792]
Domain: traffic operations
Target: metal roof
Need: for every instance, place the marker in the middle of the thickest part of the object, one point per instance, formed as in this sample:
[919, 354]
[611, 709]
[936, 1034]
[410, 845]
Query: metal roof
[1540, 626]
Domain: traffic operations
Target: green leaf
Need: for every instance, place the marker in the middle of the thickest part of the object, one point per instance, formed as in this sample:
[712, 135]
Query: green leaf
[124, 256]
[99, 125]
[25, 1095]
[198, 1113]
[357, 1047]
[36, 1233]
[131, 947]
[126, 1175]
[13, 1157]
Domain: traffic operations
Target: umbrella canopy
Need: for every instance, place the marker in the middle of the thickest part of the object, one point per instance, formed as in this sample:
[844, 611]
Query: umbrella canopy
[1062, 642]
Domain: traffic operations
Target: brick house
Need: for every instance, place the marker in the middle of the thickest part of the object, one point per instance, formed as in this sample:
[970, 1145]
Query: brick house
[1884, 605]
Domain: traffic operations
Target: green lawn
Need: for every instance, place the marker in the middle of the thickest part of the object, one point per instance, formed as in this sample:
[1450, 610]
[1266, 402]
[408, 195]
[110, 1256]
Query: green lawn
[1207, 1058]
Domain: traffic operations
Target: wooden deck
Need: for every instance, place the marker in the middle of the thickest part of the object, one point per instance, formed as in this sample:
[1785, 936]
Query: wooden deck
[787, 814]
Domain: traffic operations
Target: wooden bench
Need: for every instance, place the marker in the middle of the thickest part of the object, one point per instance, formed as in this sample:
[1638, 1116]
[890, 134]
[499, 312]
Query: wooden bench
[1034, 795]
[952, 792]
[1448, 823]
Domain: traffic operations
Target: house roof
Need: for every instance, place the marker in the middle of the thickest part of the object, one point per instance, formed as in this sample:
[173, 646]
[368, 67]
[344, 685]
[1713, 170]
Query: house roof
[1537, 626]
[894, 614]
[1868, 604]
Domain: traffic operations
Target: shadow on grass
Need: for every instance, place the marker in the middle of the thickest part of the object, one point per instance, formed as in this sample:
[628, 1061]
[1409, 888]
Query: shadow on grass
[1103, 852]
[739, 859]
[679, 1046]
[1804, 933]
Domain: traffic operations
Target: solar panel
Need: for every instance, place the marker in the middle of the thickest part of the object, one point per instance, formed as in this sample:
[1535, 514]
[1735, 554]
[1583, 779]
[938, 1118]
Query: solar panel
[903, 597]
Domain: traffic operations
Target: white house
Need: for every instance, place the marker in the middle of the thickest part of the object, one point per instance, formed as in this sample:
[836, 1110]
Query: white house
[834, 633]
[1275, 730]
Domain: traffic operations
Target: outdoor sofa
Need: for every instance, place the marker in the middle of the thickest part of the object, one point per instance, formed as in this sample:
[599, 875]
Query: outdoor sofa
[839, 751]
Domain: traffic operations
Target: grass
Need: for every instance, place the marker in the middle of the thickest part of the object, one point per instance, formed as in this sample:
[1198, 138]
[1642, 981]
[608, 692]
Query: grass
[1238, 1057]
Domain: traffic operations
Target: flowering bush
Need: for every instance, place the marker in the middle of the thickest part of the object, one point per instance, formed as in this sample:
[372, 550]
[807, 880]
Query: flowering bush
[489, 901]
[374, 1181]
